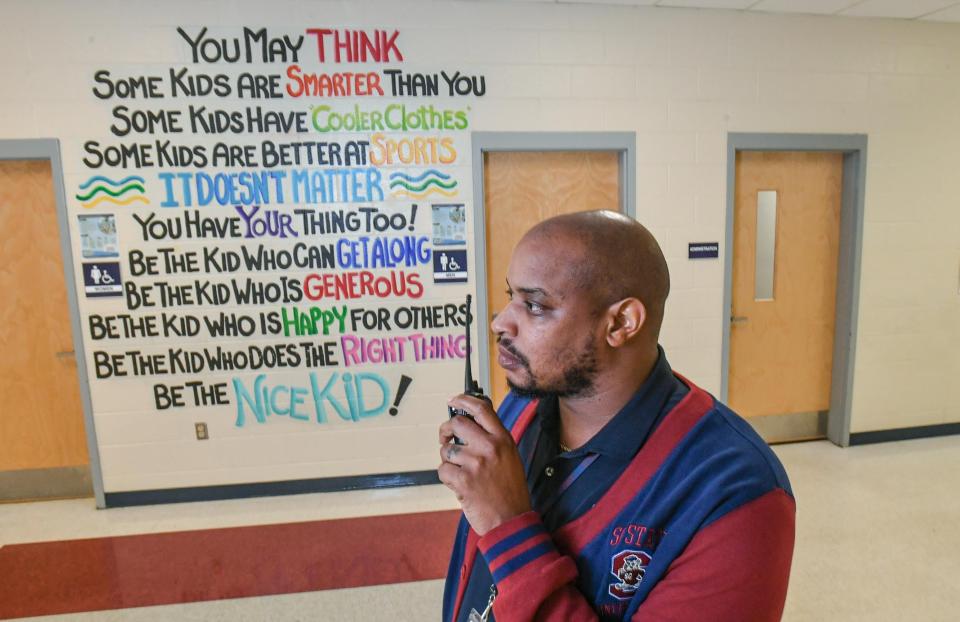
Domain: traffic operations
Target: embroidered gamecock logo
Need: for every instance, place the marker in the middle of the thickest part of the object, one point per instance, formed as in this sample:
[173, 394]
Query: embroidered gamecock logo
[628, 567]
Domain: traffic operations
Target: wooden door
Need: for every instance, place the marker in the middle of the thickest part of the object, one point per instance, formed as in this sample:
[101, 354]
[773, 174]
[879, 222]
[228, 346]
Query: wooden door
[41, 422]
[522, 188]
[781, 346]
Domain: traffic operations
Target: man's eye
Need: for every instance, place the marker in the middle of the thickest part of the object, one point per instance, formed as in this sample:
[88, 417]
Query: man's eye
[534, 308]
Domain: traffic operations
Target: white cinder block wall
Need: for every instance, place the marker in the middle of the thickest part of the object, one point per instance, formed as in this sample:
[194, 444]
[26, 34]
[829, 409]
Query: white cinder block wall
[680, 79]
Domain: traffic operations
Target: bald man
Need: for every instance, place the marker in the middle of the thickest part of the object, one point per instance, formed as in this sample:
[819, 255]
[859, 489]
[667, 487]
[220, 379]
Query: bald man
[606, 487]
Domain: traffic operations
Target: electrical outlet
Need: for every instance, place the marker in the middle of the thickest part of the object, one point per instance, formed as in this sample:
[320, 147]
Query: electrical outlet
[201, 431]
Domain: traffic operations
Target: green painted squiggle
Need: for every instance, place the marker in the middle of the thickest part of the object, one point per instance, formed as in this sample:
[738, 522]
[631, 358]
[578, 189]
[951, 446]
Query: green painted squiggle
[112, 193]
[421, 187]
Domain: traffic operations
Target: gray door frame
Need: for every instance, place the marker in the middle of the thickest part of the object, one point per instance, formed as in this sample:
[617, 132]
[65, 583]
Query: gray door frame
[483, 142]
[49, 149]
[854, 150]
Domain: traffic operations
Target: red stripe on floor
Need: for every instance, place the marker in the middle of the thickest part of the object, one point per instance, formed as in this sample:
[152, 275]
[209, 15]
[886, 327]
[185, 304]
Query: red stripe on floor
[189, 566]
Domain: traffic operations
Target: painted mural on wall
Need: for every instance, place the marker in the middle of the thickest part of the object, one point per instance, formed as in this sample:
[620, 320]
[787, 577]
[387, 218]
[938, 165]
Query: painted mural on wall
[274, 232]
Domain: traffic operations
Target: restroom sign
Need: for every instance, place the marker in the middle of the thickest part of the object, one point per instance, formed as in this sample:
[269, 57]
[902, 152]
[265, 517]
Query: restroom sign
[449, 266]
[102, 279]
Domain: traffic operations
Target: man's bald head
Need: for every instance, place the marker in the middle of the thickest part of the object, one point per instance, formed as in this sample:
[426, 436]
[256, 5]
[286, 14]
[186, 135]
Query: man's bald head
[609, 257]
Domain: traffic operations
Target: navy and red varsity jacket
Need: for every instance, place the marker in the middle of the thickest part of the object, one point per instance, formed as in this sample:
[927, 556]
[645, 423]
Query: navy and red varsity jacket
[699, 525]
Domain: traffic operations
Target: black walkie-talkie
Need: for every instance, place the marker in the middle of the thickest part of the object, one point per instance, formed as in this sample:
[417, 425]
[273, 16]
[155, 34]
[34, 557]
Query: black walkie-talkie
[470, 386]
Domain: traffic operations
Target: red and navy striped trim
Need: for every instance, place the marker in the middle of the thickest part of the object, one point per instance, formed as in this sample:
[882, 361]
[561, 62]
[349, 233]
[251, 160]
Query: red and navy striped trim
[515, 544]
[470, 550]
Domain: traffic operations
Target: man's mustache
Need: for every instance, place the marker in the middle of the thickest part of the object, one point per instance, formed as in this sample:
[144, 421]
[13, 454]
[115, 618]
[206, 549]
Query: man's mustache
[507, 345]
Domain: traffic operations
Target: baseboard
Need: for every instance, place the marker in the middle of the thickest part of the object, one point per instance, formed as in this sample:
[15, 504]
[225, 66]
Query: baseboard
[53, 483]
[268, 489]
[904, 434]
[793, 427]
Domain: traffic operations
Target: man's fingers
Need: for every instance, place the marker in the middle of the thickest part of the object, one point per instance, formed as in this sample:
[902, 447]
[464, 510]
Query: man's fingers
[481, 410]
[449, 475]
[446, 432]
[463, 428]
[467, 430]
[451, 453]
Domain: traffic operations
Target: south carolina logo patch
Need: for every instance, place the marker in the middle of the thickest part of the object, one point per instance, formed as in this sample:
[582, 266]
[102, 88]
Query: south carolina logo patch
[628, 567]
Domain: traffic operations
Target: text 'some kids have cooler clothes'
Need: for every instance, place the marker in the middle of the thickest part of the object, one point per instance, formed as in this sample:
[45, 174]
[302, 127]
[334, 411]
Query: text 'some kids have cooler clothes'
[675, 510]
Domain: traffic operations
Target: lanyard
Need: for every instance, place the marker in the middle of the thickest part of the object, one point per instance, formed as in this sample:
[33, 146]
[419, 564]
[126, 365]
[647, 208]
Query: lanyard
[576, 473]
[530, 461]
[568, 482]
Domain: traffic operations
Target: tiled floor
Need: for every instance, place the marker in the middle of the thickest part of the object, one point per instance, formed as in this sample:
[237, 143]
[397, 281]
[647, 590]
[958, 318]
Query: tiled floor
[877, 540]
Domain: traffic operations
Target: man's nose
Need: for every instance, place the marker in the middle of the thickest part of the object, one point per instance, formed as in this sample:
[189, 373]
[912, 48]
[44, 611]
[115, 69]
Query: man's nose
[500, 323]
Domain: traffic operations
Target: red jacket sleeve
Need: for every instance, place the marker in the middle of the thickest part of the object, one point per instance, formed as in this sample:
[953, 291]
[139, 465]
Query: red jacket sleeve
[734, 570]
[534, 581]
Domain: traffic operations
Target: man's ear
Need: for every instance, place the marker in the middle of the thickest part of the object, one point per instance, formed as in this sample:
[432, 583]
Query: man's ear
[625, 321]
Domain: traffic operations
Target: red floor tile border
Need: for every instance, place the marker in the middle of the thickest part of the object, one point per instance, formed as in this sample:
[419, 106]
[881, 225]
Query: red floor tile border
[189, 566]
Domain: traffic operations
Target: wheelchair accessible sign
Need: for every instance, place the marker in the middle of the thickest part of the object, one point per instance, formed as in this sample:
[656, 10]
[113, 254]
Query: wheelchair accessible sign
[102, 279]
[449, 266]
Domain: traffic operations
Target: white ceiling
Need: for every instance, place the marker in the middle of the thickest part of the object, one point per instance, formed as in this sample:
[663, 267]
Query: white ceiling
[930, 10]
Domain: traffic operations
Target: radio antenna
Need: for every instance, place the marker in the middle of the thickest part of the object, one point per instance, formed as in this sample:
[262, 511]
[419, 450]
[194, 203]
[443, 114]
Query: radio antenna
[469, 384]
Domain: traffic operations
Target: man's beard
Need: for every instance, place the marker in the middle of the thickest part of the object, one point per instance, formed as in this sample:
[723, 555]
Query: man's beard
[576, 381]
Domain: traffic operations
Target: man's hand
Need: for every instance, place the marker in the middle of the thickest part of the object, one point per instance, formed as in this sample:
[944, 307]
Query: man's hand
[486, 472]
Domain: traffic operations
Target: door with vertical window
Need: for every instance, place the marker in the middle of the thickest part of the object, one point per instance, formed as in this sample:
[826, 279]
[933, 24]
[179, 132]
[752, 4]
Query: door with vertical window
[786, 243]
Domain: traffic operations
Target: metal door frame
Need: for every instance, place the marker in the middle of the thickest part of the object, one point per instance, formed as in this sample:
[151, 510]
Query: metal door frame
[49, 149]
[854, 150]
